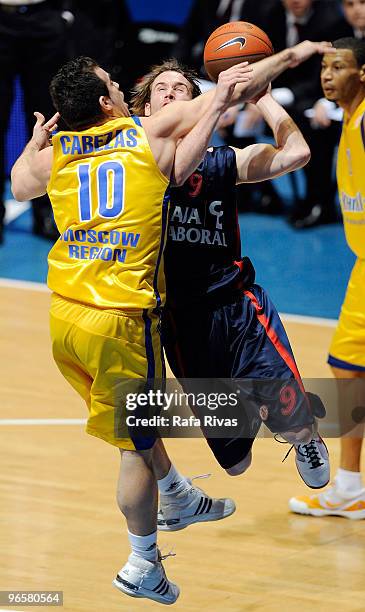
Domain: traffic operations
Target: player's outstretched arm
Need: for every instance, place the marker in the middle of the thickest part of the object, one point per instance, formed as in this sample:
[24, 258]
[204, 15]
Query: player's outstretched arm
[250, 80]
[31, 172]
[270, 68]
[260, 162]
[192, 148]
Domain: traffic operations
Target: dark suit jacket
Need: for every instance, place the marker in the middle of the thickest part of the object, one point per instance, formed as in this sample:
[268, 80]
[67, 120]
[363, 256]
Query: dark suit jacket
[304, 80]
[343, 30]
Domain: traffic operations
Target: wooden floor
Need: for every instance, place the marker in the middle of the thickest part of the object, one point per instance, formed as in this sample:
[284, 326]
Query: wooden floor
[61, 529]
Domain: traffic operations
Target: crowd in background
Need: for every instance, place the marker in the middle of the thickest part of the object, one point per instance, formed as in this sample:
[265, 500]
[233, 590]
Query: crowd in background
[37, 36]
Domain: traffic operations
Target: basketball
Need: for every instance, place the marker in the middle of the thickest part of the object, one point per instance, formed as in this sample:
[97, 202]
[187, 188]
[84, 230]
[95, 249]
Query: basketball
[232, 43]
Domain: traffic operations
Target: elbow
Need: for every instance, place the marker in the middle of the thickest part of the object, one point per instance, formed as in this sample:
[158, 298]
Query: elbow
[17, 187]
[18, 193]
[178, 180]
[179, 176]
[302, 157]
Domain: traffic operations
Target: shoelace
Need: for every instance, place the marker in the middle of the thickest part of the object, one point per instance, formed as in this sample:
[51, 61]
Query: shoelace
[190, 480]
[276, 438]
[310, 452]
[162, 557]
[193, 488]
[201, 476]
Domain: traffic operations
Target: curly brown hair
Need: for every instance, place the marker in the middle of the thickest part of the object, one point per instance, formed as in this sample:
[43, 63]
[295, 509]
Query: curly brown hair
[75, 92]
[142, 92]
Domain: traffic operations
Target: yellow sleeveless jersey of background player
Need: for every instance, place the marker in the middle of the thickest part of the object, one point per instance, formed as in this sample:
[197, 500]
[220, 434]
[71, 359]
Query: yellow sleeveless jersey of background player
[110, 206]
[351, 179]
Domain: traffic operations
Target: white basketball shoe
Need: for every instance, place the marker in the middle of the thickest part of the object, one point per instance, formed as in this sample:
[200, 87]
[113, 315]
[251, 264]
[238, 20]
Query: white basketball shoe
[191, 506]
[142, 578]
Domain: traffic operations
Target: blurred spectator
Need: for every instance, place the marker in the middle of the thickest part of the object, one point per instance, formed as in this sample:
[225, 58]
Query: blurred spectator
[205, 16]
[353, 23]
[33, 44]
[103, 30]
[289, 22]
[148, 38]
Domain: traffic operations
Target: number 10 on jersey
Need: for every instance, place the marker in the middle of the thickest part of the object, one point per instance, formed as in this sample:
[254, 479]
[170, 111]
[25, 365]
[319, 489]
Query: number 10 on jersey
[109, 190]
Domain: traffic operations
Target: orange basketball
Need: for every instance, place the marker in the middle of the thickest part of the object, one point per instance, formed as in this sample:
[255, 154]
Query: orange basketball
[232, 43]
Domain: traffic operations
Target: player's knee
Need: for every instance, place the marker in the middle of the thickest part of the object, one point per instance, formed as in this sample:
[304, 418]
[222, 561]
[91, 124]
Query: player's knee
[302, 436]
[240, 467]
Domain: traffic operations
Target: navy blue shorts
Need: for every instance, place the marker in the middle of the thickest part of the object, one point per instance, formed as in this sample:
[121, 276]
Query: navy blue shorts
[242, 339]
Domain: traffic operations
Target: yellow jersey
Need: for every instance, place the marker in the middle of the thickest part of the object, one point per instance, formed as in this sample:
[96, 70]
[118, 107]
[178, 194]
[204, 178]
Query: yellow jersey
[110, 205]
[351, 179]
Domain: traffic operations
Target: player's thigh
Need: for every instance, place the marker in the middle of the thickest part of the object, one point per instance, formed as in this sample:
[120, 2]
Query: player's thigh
[274, 391]
[123, 361]
[118, 351]
[69, 366]
[347, 350]
[186, 339]
[269, 347]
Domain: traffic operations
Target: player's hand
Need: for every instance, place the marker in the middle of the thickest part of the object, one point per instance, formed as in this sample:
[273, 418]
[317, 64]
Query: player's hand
[240, 73]
[43, 130]
[320, 118]
[307, 48]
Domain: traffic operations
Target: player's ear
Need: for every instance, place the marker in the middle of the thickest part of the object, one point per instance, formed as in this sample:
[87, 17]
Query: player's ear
[362, 73]
[147, 109]
[105, 104]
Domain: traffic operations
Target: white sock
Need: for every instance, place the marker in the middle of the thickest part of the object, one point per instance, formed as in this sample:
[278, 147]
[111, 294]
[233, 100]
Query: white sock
[348, 483]
[144, 546]
[173, 483]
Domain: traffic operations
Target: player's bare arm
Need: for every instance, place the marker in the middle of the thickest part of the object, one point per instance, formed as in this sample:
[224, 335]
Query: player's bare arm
[270, 68]
[261, 161]
[250, 81]
[31, 172]
[192, 148]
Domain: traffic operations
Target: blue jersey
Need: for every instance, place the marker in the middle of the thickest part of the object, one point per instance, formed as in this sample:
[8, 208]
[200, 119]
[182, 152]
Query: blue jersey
[203, 251]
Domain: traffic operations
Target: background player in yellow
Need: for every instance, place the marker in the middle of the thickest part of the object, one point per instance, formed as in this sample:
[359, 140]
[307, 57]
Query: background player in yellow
[343, 81]
[106, 270]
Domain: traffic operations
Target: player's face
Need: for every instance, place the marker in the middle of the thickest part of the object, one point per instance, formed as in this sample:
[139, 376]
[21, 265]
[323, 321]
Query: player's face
[119, 106]
[341, 77]
[355, 13]
[166, 88]
[298, 7]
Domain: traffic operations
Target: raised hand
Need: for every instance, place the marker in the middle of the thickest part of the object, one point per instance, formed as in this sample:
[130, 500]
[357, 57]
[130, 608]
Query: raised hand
[307, 48]
[42, 130]
[240, 73]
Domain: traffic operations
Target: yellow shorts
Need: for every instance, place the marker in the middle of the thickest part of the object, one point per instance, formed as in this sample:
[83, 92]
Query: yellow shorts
[347, 350]
[99, 352]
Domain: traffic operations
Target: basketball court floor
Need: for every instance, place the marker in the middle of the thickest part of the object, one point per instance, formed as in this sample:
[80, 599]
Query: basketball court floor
[60, 526]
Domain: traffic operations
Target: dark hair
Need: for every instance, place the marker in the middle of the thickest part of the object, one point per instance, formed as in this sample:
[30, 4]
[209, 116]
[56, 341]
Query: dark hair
[142, 91]
[356, 45]
[75, 92]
